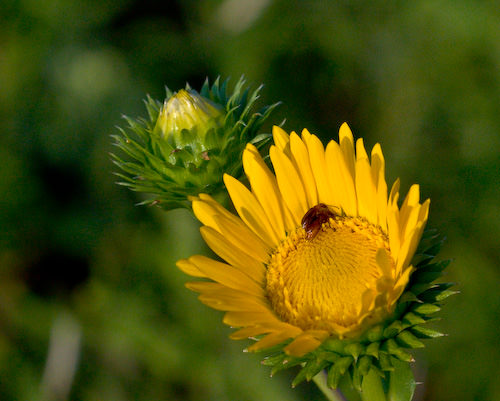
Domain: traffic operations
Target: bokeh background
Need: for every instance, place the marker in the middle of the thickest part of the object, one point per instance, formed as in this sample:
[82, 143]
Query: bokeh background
[91, 304]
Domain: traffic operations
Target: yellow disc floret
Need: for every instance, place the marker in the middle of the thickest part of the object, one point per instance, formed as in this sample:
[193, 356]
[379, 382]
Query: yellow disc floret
[320, 282]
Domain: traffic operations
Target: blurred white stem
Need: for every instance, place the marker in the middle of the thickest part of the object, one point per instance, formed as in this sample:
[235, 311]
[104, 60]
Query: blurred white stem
[62, 358]
[330, 394]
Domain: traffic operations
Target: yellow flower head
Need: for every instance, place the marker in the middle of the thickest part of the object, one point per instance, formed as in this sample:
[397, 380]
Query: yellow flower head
[319, 249]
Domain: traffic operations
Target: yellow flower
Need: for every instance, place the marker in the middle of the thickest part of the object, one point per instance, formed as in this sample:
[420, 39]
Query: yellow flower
[319, 250]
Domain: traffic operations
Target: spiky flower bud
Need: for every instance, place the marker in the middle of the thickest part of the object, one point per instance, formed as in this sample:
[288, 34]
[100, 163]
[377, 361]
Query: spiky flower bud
[189, 142]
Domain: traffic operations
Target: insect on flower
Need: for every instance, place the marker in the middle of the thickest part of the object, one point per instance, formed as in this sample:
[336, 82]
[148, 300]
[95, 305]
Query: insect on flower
[314, 219]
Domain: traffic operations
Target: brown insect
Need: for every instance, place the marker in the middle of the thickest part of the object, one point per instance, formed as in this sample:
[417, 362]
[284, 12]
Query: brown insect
[314, 219]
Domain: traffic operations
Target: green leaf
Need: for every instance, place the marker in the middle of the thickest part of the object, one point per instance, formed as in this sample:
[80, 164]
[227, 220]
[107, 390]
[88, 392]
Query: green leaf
[371, 388]
[401, 382]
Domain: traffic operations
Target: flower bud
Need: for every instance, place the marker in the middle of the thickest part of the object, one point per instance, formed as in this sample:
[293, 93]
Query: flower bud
[187, 110]
[189, 142]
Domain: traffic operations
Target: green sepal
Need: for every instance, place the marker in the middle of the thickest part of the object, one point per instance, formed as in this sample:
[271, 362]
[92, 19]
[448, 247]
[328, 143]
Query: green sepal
[372, 388]
[408, 297]
[309, 370]
[385, 362]
[436, 295]
[364, 364]
[373, 349]
[412, 319]
[337, 370]
[424, 332]
[375, 333]
[288, 362]
[424, 276]
[353, 349]
[335, 345]
[356, 377]
[314, 367]
[401, 382]
[393, 329]
[392, 347]
[408, 340]
[274, 360]
[426, 309]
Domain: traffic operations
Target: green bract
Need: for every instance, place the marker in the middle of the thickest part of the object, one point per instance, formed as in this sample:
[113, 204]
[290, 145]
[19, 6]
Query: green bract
[189, 142]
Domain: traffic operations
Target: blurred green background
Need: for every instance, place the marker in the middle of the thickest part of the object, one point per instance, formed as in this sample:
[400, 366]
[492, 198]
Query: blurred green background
[91, 304]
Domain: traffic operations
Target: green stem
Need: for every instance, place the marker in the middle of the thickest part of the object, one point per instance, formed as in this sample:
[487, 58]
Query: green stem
[330, 394]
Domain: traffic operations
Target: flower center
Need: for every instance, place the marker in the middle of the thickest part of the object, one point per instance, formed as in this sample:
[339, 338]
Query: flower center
[325, 281]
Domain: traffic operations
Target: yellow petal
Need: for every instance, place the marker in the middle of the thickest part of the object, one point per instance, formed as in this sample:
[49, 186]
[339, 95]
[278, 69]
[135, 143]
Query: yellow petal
[207, 287]
[250, 210]
[411, 200]
[226, 275]
[408, 225]
[368, 300]
[187, 267]
[265, 189]
[400, 285]
[302, 345]
[233, 303]
[233, 255]
[424, 211]
[385, 262]
[378, 174]
[301, 158]
[249, 332]
[365, 188]
[393, 220]
[243, 238]
[340, 179]
[280, 137]
[243, 319]
[346, 142]
[408, 248]
[290, 184]
[206, 208]
[319, 168]
[210, 289]
[269, 341]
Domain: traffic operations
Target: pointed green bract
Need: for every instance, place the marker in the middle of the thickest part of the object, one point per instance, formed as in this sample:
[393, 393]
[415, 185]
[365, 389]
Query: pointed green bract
[189, 141]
